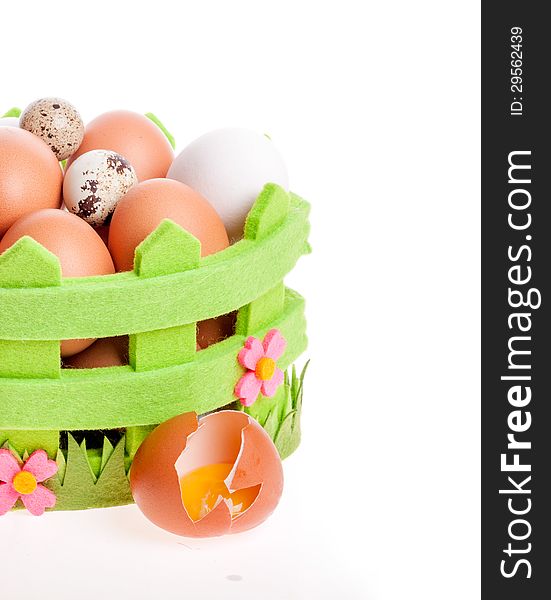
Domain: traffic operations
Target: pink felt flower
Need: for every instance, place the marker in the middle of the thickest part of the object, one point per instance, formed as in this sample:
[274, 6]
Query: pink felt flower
[23, 481]
[263, 375]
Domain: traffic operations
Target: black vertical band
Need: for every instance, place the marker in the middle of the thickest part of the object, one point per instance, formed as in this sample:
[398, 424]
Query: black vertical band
[516, 328]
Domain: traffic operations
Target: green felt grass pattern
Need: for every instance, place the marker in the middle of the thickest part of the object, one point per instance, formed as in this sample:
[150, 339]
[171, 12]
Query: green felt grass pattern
[88, 478]
[280, 416]
[157, 305]
[98, 478]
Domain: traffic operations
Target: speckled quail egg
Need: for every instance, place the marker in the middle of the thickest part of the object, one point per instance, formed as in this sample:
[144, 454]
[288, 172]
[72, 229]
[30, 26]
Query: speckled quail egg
[56, 122]
[94, 184]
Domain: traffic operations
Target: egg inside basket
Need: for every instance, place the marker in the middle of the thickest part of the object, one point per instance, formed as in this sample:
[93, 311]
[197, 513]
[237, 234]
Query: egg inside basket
[92, 421]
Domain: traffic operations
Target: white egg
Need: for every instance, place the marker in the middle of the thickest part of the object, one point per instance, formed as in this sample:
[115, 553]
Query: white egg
[95, 183]
[9, 121]
[229, 167]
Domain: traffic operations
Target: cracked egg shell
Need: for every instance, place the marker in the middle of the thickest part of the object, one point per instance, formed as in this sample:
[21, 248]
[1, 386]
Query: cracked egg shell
[184, 446]
[95, 183]
[133, 135]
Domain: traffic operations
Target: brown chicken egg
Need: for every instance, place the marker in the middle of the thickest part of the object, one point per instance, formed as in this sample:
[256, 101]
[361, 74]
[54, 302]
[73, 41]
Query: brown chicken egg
[79, 248]
[145, 206]
[30, 176]
[134, 136]
[105, 352]
[207, 477]
[215, 330]
[103, 232]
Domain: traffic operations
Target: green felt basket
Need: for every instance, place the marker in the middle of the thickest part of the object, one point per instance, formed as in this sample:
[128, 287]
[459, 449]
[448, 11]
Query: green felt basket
[43, 406]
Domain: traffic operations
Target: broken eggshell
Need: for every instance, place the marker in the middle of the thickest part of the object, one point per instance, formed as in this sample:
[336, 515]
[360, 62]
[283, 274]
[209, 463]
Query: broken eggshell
[184, 444]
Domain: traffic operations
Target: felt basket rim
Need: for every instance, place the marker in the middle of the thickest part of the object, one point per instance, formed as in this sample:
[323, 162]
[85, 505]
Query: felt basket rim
[69, 310]
[157, 305]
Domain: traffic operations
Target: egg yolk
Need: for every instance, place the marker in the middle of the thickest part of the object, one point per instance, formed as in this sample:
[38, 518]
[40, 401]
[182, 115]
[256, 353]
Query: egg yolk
[202, 488]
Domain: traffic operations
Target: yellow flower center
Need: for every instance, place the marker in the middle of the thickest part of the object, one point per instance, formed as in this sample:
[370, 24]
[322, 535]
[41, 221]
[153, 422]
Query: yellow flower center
[24, 483]
[265, 369]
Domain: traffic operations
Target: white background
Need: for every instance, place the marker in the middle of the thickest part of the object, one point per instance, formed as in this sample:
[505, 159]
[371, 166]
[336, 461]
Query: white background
[375, 106]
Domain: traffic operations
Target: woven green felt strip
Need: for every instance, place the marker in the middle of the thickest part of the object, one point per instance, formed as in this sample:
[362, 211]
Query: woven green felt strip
[125, 303]
[97, 478]
[27, 264]
[268, 212]
[119, 397]
[169, 249]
